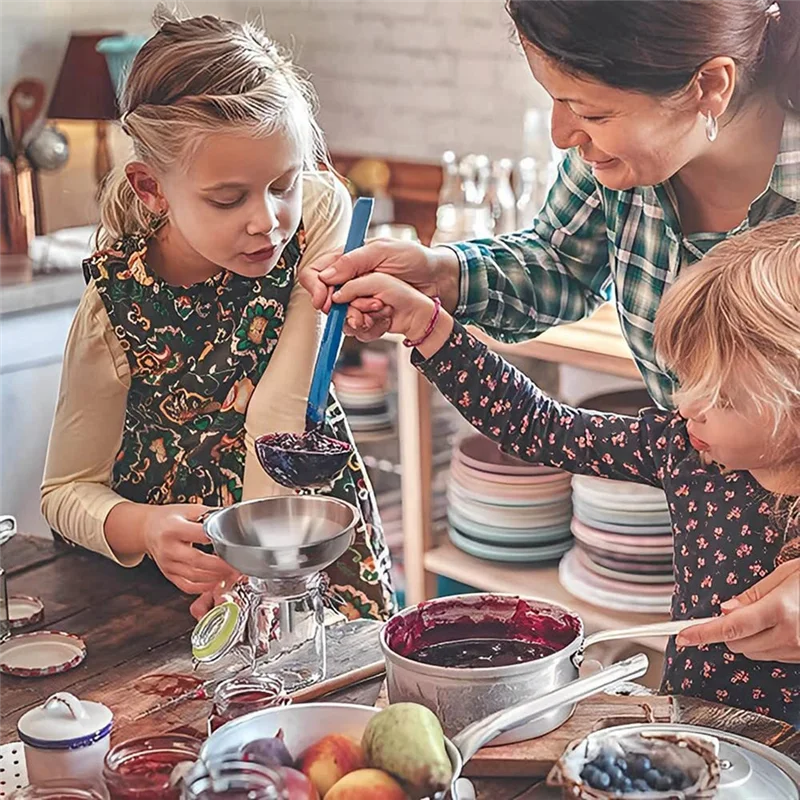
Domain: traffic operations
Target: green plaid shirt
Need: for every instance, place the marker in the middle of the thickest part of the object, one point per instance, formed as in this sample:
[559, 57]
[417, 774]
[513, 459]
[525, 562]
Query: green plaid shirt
[588, 239]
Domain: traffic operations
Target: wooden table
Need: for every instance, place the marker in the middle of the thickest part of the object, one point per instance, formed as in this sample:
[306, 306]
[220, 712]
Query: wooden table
[136, 623]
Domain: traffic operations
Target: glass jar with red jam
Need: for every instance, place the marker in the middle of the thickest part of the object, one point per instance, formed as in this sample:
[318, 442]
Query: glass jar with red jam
[233, 780]
[62, 789]
[240, 695]
[145, 769]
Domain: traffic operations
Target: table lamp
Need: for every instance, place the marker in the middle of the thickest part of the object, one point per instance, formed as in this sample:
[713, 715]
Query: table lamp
[85, 91]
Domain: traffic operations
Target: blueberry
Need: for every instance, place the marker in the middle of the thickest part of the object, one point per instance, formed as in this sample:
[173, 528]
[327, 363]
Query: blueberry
[640, 785]
[652, 776]
[664, 783]
[587, 772]
[626, 785]
[599, 780]
[638, 765]
[605, 761]
[679, 778]
[617, 776]
[622, 764]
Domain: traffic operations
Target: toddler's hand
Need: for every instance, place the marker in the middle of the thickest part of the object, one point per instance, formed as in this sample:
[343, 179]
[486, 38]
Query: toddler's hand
[400, 308]
[171, 531]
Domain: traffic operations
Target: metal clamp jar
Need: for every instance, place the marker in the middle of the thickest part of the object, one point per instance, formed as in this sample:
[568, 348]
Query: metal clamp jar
[233, 780]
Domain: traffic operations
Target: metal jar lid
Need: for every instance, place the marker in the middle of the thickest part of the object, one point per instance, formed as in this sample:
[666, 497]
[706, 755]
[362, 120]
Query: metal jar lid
[218, 632]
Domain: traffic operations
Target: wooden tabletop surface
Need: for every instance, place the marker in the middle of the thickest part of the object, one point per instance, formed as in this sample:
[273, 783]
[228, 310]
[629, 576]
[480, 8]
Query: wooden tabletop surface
[135, 623]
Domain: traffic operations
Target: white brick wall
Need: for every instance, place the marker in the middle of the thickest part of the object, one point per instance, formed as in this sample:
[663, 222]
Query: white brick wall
[409, 78]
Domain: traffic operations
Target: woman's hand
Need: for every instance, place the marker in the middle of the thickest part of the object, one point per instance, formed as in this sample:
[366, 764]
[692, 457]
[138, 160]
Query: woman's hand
[169, 533]
[409, 311]
[763, 623]
[434, 271]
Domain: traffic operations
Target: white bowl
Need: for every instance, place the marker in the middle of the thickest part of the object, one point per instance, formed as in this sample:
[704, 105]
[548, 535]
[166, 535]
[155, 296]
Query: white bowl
[302, 725]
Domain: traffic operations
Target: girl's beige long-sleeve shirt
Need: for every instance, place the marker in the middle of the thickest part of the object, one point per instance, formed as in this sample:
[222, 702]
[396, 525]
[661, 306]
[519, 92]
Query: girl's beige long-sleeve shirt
[95, 379]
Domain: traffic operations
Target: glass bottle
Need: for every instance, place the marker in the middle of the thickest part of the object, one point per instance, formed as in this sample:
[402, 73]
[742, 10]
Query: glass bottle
[145, 768]
[451, 202]
[233, 780]
[475, 171]
[527, 199]
[500, 197]
[240, 695]
[62, 789]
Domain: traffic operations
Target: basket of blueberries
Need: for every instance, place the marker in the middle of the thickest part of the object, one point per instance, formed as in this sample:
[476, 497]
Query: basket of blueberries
[637, 765]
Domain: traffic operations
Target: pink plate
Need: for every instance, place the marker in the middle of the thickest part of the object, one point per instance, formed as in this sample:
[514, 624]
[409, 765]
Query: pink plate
[606, 582]
[35, 655]
[639, 544]
[482, 454]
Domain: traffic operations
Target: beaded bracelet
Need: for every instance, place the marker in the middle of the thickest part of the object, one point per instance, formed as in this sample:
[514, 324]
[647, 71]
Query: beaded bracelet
[437, 306]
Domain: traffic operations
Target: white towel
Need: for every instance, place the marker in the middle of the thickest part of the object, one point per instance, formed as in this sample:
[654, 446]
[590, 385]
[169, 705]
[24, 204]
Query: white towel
[62, 250]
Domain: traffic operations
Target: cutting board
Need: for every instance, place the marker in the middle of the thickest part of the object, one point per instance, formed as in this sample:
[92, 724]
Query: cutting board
[534, 758]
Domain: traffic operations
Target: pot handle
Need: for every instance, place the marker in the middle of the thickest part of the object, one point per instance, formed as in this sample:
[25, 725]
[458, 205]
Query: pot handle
[479, 733]
[655, 629]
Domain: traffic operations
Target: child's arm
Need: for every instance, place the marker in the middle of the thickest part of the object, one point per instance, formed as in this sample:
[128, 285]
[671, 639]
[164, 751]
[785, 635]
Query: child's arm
[86, 433]
[509, 408]
[77, 500]
[279, 401]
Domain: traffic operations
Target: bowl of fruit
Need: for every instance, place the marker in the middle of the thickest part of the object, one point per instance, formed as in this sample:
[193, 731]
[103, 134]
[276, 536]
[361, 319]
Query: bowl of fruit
[631, 764]
[338, 751]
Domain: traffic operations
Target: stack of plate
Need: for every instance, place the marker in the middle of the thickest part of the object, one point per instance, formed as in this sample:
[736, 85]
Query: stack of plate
[622, 557]
[504, 509]
[363, 394]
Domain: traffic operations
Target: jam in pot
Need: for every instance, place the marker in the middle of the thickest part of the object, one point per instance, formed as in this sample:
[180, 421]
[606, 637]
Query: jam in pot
[472, 653]
[142, 769]
[238, 696]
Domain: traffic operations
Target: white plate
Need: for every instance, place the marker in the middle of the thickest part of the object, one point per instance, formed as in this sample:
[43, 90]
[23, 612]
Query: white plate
[632, 493]
[617, 601]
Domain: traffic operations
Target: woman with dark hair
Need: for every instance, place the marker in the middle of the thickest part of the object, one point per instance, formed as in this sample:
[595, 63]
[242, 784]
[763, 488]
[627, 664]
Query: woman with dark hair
[681, 119]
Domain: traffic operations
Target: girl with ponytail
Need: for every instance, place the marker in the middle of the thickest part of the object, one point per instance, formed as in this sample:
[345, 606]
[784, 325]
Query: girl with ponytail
[193, 337]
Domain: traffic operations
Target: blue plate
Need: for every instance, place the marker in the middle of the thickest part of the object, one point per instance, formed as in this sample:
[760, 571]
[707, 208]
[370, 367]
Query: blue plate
[518, 555]
[487, 533]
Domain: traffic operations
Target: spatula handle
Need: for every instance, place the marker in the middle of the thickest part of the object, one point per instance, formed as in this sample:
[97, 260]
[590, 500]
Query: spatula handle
[332, 336]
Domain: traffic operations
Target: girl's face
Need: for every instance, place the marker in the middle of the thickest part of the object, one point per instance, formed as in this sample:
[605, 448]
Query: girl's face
[627, 138]
[239, 202]
[738, 436]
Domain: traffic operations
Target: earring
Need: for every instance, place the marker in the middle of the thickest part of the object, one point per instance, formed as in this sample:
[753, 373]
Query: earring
[712, 128]
[158, 220]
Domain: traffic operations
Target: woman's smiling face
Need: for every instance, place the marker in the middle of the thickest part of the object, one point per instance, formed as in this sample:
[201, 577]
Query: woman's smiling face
[628, 138]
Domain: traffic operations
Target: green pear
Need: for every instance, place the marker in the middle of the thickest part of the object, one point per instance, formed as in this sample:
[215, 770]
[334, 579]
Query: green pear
[407, 741]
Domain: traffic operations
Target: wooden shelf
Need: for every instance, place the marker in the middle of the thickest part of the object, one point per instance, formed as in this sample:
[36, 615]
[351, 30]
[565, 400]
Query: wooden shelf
[594, 343]
[489, 576]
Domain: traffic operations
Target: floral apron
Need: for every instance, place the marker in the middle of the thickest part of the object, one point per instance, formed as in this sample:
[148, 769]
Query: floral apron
[196, 355]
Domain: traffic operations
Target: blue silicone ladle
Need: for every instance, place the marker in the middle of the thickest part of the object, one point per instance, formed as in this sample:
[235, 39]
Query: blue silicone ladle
[313, 459]
[334, 327]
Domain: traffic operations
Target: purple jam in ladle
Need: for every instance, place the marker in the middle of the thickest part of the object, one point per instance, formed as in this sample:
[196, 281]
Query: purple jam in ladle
[302, 460]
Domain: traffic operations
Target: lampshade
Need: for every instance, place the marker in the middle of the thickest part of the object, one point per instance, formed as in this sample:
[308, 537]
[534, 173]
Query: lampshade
[84, 89]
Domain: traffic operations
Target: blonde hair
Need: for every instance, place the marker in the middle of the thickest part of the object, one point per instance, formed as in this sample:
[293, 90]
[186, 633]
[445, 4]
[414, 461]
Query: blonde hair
[733, 322]
[190, 77]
